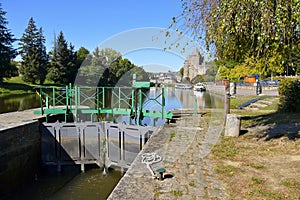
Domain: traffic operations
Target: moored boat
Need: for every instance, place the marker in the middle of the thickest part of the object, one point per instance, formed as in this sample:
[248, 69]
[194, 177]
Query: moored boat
[183, 86]
[199, 87]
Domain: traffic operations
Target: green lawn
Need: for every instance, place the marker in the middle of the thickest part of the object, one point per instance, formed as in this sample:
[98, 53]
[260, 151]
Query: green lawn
[16, 85]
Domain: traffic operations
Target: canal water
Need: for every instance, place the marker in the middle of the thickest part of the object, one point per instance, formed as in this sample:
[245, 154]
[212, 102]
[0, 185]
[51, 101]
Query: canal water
[18, 102]
[93, 184]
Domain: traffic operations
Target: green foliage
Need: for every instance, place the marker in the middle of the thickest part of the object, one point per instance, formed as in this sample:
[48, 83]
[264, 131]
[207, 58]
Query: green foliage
[7, 52]
[211, 72]
[197, 79]
[224, 68]
[290, 184]
[255, 166]
[82, 54]
[15, 85]
[34, 55]
[227, 170]
[104, 56]
[176, 193]
[63, 69]
[289, 95]
[181, 71]
[265, 31]
[192, 184]
[256, 180]
[172, 136]
[225, 149]
[106, 67]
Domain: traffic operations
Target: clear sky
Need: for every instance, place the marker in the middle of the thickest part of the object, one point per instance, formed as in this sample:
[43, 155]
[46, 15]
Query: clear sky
[91, 22]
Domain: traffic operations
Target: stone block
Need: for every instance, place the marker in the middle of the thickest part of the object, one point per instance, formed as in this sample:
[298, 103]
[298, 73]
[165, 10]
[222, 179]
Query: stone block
[233, 125]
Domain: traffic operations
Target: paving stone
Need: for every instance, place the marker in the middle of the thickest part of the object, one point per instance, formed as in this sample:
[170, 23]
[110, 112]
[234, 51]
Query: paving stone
[183, 158]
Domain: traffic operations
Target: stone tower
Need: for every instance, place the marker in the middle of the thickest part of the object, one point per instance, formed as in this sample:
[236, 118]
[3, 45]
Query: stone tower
[194, 65]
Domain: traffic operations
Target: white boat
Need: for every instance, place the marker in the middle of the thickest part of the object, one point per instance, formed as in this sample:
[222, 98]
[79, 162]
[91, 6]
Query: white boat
[199, 87]
[183, 86]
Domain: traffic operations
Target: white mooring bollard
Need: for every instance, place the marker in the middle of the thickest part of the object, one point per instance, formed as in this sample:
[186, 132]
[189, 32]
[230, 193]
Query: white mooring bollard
[233, 125]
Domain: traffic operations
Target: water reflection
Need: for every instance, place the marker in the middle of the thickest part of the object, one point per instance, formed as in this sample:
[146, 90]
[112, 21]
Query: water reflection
[176, 99]
[18, 102]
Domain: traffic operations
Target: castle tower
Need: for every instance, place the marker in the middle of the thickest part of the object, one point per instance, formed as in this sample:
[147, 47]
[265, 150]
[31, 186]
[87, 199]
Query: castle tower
[194, 65]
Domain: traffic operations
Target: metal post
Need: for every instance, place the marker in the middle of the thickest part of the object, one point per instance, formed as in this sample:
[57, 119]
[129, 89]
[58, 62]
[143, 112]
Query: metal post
[77, 102]
[67, 102]
[132, 105]
[53, 97]
[97, 99]
[119, 98]
[141, 105]
[227, 98]
[70, 95]
[47, 106]
[112, 103]
[103, 98]
[163, 101]
[122, 149]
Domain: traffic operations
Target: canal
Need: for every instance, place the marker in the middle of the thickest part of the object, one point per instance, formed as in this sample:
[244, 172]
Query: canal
[18, 102]
[92, 184]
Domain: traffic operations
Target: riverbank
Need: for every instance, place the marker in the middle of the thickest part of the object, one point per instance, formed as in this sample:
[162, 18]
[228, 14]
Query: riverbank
[16, 85]
[264, 162]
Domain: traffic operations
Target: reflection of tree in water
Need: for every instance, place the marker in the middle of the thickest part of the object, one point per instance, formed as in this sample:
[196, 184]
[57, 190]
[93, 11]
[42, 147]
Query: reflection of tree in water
[21, 105]
[18, 102]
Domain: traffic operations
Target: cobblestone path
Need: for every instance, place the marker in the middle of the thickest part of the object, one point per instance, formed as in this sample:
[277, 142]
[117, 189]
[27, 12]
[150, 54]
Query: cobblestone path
[183, 147]
[193, 176]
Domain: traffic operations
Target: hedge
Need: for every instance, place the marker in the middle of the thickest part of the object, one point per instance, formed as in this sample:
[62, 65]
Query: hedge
[289, 95]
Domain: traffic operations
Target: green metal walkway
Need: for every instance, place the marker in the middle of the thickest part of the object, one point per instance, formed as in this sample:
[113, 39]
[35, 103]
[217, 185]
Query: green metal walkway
[82, 100]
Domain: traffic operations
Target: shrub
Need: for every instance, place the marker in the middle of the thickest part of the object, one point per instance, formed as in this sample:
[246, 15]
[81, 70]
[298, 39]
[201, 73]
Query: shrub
[289, 95]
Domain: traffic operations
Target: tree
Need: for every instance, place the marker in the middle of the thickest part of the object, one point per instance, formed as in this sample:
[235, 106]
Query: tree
[264, 30]
[106, 67]
[82, 54]
[181, 71]
[33, 53]
[63, 60]
[105, 56]
[211, 71]
[7, 52]
[119, 68]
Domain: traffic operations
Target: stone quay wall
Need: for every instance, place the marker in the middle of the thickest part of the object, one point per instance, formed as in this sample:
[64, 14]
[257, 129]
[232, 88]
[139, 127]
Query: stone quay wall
[19, 154]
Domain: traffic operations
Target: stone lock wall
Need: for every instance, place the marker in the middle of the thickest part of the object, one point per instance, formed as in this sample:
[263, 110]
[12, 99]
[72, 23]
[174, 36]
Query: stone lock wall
[19, 155]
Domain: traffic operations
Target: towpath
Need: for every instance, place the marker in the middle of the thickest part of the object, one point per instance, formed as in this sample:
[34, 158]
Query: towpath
[183, 147]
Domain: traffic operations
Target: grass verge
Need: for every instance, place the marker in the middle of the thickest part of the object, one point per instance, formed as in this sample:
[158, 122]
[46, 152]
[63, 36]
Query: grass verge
[16, 85]
[264, 162]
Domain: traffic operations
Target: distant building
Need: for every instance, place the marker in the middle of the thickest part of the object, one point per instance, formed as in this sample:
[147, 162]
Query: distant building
[163, 77]
[194, 65]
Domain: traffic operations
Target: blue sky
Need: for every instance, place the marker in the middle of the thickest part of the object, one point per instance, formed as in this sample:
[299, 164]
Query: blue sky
[91, 22]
